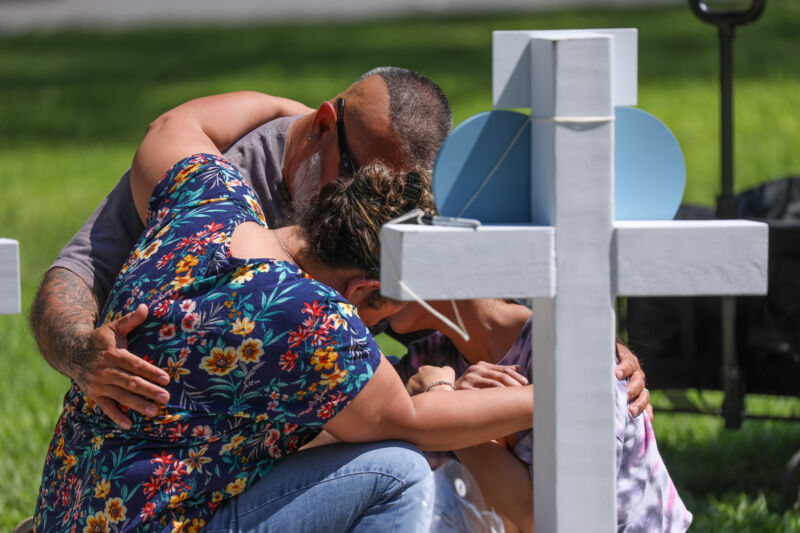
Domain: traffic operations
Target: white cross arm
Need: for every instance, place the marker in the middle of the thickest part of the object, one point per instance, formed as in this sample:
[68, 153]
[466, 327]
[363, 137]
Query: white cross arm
[514, 62]
[9, 277]
[690, 258]
[653, 258]
[440, 263]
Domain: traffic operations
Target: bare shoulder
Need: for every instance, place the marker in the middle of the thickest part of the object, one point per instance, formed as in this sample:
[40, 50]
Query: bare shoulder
[251, 240]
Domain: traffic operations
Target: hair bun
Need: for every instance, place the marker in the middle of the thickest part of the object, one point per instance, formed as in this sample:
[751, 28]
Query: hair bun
[412, 190]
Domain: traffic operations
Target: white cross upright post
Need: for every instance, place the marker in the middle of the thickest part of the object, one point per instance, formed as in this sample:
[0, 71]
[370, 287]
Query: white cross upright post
[9, 277]
[574, 261]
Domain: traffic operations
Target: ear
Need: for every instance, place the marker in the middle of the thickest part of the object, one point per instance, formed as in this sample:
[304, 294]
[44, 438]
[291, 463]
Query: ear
[359, 289]
[324, 122]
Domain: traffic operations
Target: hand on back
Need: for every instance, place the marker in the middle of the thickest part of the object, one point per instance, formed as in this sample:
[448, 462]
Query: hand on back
[115, 378]
[638, 395]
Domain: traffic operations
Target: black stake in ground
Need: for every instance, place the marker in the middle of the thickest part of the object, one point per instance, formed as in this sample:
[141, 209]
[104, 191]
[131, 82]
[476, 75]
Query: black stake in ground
[726, 22]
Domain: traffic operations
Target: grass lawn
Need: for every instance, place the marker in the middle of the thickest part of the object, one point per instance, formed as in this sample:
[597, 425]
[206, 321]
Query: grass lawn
[73, 106]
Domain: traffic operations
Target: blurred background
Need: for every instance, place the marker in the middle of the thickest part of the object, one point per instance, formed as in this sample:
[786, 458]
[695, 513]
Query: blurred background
[81, 79]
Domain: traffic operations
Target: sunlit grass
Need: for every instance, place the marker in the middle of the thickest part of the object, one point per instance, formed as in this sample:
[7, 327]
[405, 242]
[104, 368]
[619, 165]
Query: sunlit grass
[73, 106]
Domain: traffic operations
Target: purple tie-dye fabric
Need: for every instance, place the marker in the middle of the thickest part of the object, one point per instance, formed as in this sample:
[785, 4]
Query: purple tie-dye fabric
[646, 497]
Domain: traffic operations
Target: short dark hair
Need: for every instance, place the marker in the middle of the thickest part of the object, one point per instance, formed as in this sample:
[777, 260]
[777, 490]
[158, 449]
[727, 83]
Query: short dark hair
[419, 113]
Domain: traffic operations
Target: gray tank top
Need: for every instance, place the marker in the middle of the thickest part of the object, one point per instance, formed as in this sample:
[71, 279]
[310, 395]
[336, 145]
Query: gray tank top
[98, 250]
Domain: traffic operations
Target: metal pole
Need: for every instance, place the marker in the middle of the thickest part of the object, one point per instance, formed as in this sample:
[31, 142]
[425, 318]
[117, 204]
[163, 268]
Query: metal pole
[726, 21]
[733, 405]
[726, 201]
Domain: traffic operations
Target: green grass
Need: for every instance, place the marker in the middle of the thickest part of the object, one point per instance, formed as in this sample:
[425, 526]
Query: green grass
[730, 479]
[73, 106]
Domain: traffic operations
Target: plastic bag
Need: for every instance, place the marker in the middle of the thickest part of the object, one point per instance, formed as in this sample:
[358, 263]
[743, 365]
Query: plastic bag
[459, 505]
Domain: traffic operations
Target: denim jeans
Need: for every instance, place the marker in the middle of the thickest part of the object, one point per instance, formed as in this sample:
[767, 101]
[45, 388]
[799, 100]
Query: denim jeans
[373, 487]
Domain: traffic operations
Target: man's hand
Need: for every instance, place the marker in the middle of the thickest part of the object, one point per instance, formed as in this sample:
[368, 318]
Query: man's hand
[429, 374]
[62, 319]
[638, 395]
[113, 375]
[484, 375]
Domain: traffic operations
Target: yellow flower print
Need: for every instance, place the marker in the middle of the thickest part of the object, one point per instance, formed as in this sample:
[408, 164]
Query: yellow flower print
[183, 176]
[347, 309]
[243, 274]
[186, 263]
[60, 447]
[243, 326]
[197, 459]
[236, 487]
[233, 444]
[69, 462]
[151, 249]
[176, 499]
[109, 316]
[324, 358]
[263, 267]
[102, 489]
[250, 350]
[163, 231]
[182, 281]
[216, 497]
[97, 523]
[175, 369]
[336, 321]
[220, 362]
[334, 378]
[256, 207]
[88, 406]
[170, 418]
[197, 525]
[97, 440]
[115, 510]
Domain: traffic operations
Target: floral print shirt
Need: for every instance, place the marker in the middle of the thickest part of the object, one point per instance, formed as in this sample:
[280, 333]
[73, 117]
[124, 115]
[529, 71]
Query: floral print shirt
[260, 357]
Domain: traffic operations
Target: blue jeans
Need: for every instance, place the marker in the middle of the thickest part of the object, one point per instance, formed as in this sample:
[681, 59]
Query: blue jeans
[373, 487]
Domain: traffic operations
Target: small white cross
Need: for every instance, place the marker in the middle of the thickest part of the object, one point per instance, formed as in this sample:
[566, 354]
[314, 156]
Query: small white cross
[576, 261]
[9, 277]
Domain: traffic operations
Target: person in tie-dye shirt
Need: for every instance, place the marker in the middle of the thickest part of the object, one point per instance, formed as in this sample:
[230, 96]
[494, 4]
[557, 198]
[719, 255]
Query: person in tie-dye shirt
[499, 353]
[264, 335]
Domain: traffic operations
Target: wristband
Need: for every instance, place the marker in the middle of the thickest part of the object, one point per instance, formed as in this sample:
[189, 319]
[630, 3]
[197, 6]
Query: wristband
[440, 382]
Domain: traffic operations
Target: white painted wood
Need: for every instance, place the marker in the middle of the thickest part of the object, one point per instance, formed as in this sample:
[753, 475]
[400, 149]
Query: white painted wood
[572, 167]
[440, 263]
[690, 258]
[512, 72]
[10, 301]
[575, 74]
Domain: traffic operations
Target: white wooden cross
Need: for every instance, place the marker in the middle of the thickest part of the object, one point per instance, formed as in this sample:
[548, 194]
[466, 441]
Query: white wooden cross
[9, 277]
[575, 260]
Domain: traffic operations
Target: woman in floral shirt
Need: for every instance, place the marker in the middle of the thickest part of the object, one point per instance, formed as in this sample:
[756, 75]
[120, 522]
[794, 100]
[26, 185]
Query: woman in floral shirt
[263, 351]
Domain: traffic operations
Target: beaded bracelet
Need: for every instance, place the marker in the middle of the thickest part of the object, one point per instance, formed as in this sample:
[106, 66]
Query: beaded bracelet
[440, 382]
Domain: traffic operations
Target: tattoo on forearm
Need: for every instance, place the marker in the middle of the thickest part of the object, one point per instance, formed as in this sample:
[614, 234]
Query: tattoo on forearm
[63, 313]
